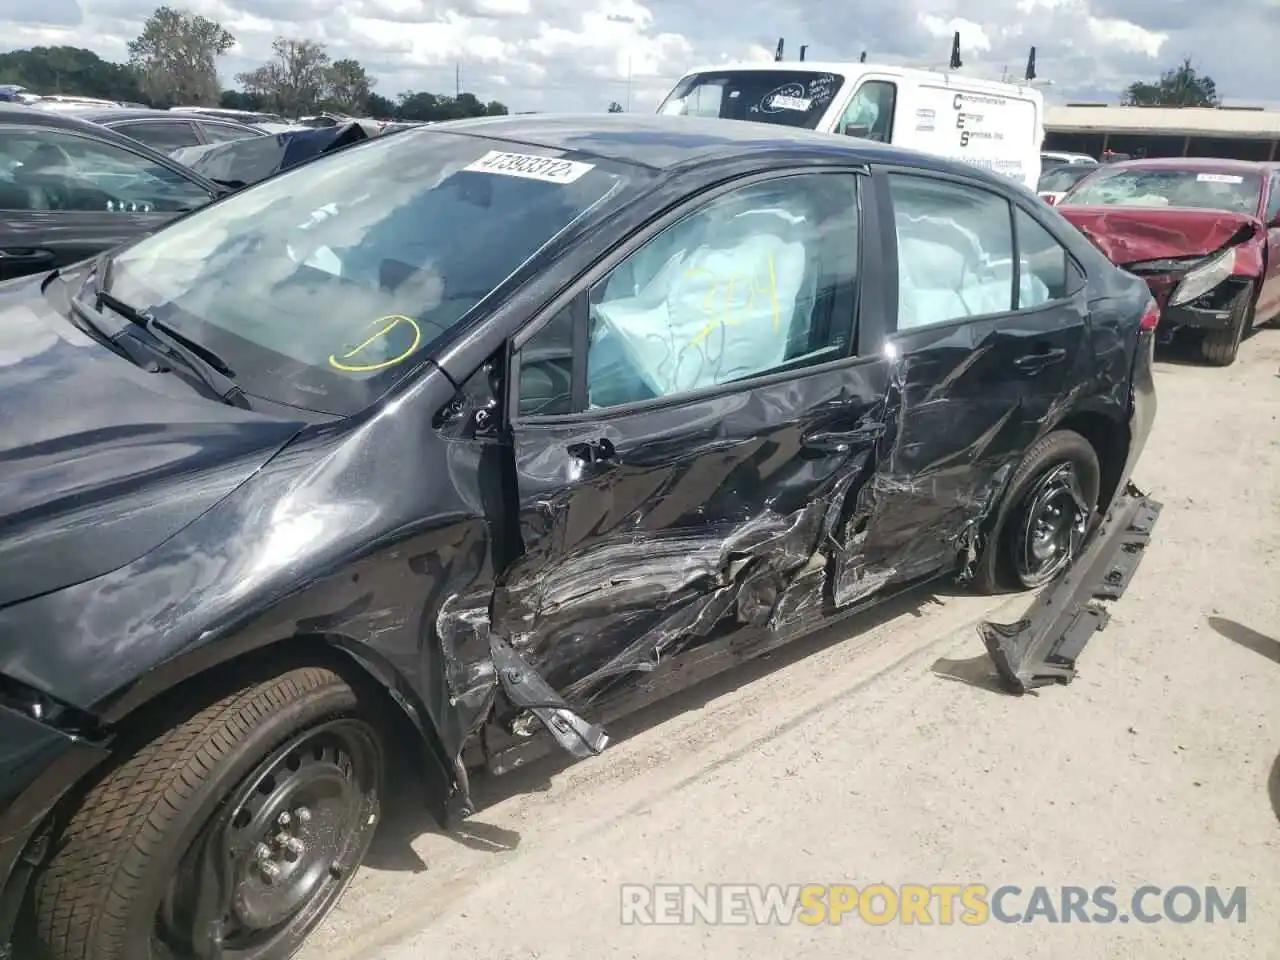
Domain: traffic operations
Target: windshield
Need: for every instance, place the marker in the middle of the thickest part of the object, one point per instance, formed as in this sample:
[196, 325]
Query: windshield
[1234, 192]
[1063, 178]
[324, 285]
[793, 98]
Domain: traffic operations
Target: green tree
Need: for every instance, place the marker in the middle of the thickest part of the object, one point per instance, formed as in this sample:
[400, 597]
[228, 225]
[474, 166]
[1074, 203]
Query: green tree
[348, 87]
[1183, 86]
[615, 107]
[380, 107]
[242, 100]
[69, 70]
[294, 80]
[176, 56]
[430, 107]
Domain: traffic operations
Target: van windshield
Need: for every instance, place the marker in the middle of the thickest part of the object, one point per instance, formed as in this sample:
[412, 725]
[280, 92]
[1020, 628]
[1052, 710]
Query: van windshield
[792, 98]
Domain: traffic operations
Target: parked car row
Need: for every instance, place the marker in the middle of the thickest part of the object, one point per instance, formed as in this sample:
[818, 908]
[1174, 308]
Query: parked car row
[76, 183]
[397, 457]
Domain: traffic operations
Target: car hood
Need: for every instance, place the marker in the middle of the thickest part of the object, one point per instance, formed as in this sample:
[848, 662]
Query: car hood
[1134, 234]
[101, 461]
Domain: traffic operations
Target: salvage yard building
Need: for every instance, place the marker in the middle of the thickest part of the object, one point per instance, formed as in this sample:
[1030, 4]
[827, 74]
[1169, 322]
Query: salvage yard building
[1242, 133]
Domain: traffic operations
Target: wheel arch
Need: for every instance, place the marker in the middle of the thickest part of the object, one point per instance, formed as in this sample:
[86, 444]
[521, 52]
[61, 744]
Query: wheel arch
[202, 672]
[1109, 437]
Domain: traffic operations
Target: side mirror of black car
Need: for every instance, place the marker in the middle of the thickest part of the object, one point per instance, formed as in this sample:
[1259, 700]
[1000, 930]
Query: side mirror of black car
[473, 412]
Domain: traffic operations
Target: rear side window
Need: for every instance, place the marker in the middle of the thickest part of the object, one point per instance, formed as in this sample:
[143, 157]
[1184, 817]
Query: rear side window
[162, 135]
[225, 132]
[955, 251]
[1044, 269]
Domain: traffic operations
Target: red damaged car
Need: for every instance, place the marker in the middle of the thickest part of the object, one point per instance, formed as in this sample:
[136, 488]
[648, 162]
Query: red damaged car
[1203, 233]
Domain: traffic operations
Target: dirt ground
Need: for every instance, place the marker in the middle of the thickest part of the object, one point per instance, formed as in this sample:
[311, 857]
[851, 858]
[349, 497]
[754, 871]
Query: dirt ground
[853, 760]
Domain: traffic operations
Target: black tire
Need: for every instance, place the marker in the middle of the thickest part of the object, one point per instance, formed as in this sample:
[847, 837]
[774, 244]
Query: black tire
[997, 570]
[101, 896]
[1221, 347]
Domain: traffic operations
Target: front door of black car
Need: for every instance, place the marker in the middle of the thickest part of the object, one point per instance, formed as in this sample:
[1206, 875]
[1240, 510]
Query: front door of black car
[65, 197]
[688, 434]
[990, 344]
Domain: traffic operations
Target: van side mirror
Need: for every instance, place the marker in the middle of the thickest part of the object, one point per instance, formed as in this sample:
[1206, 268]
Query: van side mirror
[856, 130]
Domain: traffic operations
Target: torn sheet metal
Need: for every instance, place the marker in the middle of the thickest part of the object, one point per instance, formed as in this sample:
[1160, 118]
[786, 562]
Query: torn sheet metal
[1042, 648]
[526, 689]
[761, 515]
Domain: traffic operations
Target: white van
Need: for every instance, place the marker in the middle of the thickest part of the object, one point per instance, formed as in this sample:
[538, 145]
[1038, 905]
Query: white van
[995, 125]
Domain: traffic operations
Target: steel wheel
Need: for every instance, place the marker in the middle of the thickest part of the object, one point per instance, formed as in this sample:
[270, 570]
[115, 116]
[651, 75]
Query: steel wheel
[1051, 526]
[279, 852]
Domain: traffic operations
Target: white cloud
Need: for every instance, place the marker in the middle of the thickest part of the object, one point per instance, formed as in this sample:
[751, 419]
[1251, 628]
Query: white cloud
[569, 55]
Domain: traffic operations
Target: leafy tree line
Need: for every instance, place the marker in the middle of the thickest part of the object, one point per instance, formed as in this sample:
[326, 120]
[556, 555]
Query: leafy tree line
[173, 62]
[1183, 86]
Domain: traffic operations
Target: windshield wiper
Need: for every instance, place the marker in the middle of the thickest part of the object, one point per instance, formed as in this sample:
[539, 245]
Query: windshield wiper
[210, 369]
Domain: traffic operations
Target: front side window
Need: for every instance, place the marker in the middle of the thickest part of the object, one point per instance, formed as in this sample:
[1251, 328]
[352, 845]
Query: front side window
[870, 112]
[55, 170]
[1273, 204]
[324, 285]
[1063, 178]
[1162, 187]
[759, 280]
[793, 98]
[955, 251]
[163, 135]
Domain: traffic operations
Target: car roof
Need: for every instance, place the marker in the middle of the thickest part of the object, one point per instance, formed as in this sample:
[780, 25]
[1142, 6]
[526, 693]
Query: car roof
[661, 142]
[64, 119]
[1205, 164]
[109, 114]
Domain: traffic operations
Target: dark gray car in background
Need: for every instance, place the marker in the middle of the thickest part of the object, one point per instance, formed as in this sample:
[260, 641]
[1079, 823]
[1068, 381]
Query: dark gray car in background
[70, 189]
[168, 130]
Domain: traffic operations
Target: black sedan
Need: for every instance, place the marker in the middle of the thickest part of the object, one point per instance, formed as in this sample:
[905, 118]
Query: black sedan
[496, 424]
[70, 189]
[168, 130]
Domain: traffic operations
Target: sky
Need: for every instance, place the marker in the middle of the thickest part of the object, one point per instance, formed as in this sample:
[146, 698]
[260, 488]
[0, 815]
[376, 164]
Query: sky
[578, 55]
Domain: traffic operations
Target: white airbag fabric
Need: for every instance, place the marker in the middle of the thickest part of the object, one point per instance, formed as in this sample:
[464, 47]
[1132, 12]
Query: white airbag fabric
[709, 315]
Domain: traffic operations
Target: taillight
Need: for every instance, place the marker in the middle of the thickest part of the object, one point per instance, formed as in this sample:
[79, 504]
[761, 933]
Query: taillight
[1151, 318]
[1051, 199]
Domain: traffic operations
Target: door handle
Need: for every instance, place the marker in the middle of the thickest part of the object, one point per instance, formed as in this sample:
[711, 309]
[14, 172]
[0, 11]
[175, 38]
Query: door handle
[832, 441]
[593, 451]
[1038, 361]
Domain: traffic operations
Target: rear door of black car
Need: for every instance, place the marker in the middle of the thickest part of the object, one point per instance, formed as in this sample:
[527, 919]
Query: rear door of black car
[990, 346]
[66, 196]
[687, 476]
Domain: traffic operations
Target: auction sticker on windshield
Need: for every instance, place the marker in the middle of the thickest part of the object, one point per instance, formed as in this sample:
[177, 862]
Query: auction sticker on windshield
[548, 169]
[1219, 178]
[781, 102]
